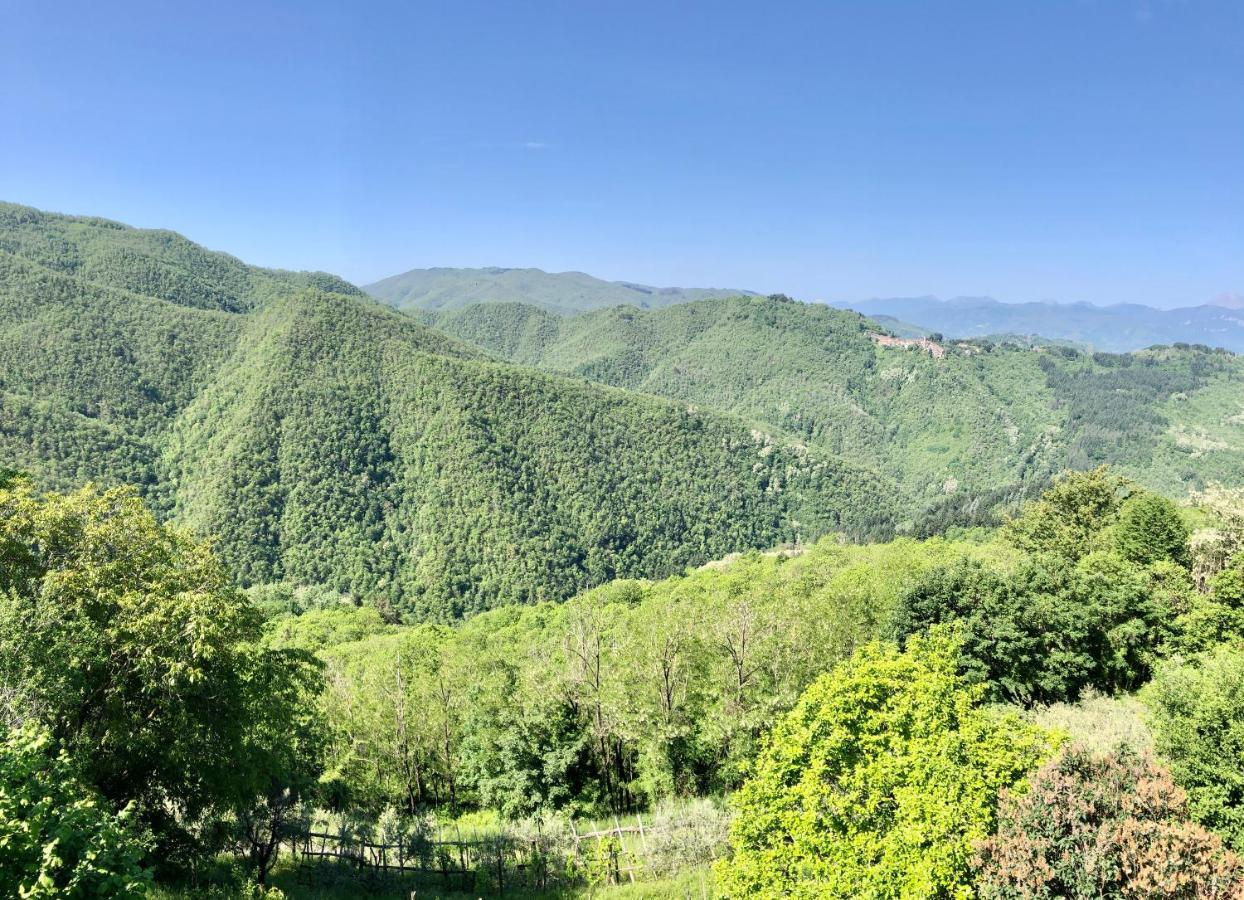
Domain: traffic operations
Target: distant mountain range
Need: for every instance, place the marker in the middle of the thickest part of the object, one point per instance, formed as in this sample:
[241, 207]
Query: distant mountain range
[1119, 328]
[559, 292]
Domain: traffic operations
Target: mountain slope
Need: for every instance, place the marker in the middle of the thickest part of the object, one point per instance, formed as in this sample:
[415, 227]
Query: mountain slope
[153, 263]
[1119, 328]
[323, 438]
[982, 418]
[560, 292]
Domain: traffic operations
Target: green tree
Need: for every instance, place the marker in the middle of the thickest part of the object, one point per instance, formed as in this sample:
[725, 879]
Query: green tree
[1046, 630]
[1227, 587]
[129, 642]
[58, 838]
[284, 745]
[1113, 826]
[878, 782]
[1198, 723]
[1150, 529]
[1070, 518]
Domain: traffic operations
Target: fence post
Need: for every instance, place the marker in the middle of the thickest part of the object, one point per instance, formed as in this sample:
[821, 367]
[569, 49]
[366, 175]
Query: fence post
[500, 865]
[617, 826]
[462, 860]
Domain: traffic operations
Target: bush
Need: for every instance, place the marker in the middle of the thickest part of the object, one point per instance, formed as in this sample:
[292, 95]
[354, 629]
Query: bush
[878, 782]
[1107, 826]
[57, 838]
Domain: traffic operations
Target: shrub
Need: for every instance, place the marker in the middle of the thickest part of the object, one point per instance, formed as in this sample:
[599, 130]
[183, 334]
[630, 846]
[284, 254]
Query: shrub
[1102, 826]
[57, 838]
[878, 782]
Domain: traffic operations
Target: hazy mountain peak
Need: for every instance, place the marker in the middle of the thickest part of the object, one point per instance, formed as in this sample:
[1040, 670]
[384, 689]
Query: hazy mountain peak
[1116, 328]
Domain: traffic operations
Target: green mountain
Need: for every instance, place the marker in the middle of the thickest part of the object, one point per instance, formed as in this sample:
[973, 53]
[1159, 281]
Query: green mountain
[559, 292]
[322, 438]
[982, 419]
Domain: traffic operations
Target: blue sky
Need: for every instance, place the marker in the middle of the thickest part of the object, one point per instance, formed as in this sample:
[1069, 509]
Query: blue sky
[1027, 149]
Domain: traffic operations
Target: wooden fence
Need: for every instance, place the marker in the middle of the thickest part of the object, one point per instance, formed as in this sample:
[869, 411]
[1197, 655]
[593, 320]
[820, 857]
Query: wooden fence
[479, 862]
[491, 861]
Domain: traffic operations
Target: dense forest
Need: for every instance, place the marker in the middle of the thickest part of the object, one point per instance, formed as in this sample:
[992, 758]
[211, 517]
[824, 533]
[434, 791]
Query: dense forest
[292, 582]
[985, 417]
[323, 439]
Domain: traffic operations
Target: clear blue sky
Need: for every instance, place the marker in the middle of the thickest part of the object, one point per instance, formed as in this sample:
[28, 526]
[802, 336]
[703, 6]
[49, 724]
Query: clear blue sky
[1027, 149]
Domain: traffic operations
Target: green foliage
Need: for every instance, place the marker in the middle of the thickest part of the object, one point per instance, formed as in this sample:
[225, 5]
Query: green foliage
[1151, 529]
[627, 694]
[1071, 517]
[965, 435]
[57, 838]
[1112, 826]
[325, 441]
[151, 263]
[1198, 724]
[878, 782]
[1227, 587]
[128, 641]
[1047, 630]
[1209, 619]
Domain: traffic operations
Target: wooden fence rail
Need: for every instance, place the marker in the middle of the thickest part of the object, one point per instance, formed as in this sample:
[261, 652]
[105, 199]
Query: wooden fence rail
[490, 861]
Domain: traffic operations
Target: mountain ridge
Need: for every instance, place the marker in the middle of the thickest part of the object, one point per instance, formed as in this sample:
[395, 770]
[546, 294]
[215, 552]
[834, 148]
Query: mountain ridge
[324, 438]
[569, 292]
[983, 417]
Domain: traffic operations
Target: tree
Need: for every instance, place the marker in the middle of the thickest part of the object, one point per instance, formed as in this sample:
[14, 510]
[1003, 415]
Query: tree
[284, 747]
[1151, 529]
[1047, 630]
[1227, 587]
[1198, 724]
[128, 641]
[1112, 826]
[1070, 518]
[878, 782]
[58, 838]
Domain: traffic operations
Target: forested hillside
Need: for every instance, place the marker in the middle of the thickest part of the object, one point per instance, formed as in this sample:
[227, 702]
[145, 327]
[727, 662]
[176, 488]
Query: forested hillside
[984, 418]
[558, 292]
[321, 438]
